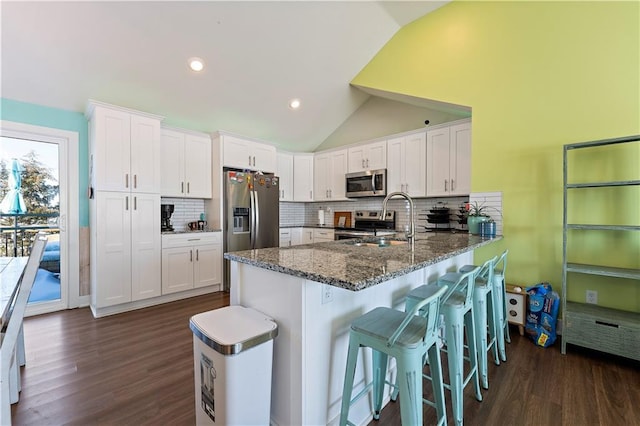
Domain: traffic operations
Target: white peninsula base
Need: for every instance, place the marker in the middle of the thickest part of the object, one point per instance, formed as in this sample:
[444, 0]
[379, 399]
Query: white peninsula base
[311, 348]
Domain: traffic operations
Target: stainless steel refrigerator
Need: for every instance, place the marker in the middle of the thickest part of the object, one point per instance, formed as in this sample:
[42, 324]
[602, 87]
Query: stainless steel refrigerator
[251, 213]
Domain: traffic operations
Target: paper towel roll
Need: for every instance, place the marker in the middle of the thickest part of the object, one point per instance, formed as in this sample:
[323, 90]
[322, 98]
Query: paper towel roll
[320, 217]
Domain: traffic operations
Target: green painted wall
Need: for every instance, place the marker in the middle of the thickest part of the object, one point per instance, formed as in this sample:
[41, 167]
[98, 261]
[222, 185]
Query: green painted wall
[38, 115]
[537, 75]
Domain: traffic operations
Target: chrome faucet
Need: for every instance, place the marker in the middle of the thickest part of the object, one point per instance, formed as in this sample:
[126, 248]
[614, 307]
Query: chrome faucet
[411, 236]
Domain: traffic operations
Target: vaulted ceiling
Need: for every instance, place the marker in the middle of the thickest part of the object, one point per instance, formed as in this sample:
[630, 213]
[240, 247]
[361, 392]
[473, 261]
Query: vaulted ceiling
[258, 56]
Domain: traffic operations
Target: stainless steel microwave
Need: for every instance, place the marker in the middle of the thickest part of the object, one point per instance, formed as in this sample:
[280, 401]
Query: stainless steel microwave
[370, 183]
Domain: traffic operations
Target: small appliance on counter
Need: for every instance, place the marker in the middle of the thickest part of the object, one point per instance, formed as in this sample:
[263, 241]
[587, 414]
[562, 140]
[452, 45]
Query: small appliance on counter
[166, 210]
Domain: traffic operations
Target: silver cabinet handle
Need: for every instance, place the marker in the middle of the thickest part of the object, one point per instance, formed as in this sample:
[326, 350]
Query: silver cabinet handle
[135, 203]
[188, 187]
[126, 180]
[190, 255]
[135, 181]
[126, 202]
[254, 160]
[311, 195]
[249, 160]
[367, 163]
[453, 188]
[363, 163]
[182, 187]
[198, 255]
[445, 185]
[330, 193]
[406, 187]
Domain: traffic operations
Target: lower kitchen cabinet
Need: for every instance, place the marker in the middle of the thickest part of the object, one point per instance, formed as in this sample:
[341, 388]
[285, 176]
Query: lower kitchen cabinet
[125, 248]
[285, 237]
[322, 235]
[191, 260]
[301, 236]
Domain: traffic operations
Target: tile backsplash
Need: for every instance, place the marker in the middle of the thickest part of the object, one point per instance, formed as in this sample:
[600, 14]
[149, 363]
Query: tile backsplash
[185, 210]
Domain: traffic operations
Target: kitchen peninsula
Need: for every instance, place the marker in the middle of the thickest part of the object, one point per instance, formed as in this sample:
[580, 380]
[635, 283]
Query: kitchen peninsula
[315, 291]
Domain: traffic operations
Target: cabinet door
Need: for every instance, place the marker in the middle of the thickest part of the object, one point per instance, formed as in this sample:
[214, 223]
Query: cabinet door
[460, 155]
[414, 166]
[285, 173]
[303, 177]
[207, 265]
[395, 165]
[145, 154]
[112, 280]
[377, 155]
[111, 138]
[172, 162]
[285, 238]
[236, 152]
[197, 166]
[307, 235]
[321, 181]
[177, 269]
[438, 153]
[264, 157]
[337, 185]
[145, 246]
[296, 236]
[323, 235]
[357, 159]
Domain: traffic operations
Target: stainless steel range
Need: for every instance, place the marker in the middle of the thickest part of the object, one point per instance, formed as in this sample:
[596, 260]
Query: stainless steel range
[368, 224]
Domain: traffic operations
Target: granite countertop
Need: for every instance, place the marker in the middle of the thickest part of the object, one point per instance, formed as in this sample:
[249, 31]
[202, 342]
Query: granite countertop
[346, 265]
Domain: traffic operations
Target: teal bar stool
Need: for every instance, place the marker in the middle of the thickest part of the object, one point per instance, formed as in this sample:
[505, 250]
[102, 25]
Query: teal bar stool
[408, 337]
[484, 306]
[500, 301]
[457, 307]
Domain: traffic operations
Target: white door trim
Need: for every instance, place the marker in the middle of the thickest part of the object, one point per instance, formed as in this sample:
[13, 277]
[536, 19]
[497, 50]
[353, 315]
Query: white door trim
[69, 207]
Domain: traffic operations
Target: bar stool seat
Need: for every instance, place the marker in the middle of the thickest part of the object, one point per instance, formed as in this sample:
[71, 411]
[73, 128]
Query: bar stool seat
[457, 307]
[408, 337]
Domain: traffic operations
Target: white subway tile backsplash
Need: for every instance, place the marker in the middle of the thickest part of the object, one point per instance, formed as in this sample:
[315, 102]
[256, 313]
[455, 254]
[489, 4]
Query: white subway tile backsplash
[184, 210]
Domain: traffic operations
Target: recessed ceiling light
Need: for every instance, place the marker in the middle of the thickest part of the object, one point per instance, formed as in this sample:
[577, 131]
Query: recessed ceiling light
[294, 103]
[196, 64]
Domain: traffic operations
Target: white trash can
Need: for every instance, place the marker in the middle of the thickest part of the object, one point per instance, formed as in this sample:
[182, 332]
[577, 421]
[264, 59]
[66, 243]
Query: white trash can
[232, 360]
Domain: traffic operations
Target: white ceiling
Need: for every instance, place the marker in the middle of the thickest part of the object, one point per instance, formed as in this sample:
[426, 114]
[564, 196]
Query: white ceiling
[258, 56]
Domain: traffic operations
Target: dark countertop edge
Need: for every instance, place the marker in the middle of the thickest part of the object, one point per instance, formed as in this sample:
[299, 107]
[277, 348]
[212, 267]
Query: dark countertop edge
[358, 285]
[315, 225]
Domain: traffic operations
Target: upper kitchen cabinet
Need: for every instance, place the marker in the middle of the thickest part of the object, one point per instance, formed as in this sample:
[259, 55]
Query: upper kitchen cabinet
[449, 160]
[285, 172]
[328, 179]
[124, 145]
[186, 164]
[370, 156]
[245, 154]
[303, 177]
[407, 164]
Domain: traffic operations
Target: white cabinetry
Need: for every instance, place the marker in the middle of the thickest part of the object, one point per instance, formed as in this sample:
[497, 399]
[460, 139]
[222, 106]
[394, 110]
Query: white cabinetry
[370, 156]
[303, 177]
[329, 170]
[125, 247]
[186, 164]
[285, 237]
[407, 164]
[301, 236]
[285, 172]
[323, 235]
[191, 261]
[449, 160]
[245, 154]
[125, 154]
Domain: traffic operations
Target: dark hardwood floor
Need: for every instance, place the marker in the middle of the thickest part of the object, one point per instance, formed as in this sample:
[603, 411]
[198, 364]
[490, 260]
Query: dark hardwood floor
[136, 369]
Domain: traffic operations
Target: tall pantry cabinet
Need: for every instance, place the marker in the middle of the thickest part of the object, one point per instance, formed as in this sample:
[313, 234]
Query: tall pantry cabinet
[124, 171]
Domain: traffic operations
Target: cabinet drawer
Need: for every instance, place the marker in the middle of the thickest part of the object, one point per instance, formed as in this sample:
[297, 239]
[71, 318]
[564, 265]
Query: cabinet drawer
[191, 239]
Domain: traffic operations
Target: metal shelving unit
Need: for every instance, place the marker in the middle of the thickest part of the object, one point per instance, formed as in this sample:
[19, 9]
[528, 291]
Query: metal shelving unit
[593, 326]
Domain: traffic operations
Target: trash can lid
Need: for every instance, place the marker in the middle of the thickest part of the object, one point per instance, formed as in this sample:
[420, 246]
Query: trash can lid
[233, 329]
